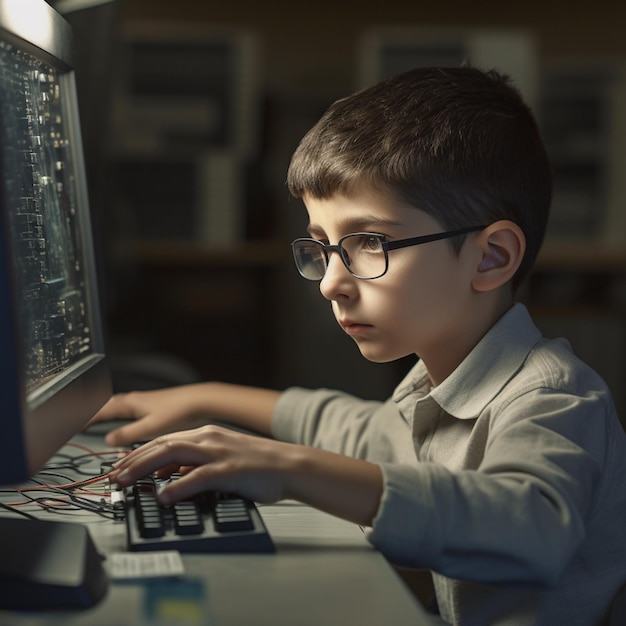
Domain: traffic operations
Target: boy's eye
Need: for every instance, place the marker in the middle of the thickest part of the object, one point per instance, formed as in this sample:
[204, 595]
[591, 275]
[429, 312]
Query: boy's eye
[370, 243]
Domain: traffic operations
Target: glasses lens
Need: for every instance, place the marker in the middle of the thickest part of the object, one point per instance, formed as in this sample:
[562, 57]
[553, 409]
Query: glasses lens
[310, 259]
[363, 254]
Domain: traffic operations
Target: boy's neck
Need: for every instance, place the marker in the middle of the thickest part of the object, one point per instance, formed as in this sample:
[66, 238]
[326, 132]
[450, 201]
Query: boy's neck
[488, 311]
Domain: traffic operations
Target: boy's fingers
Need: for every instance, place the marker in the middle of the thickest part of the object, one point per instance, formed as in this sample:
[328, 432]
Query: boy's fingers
[135, 432]
[116, 408]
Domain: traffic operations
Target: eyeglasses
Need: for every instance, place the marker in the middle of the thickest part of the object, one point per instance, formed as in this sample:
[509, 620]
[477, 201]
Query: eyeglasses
[365, 255]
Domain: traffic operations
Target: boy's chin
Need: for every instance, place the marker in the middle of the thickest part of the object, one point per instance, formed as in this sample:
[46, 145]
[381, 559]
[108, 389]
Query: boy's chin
[380, 357]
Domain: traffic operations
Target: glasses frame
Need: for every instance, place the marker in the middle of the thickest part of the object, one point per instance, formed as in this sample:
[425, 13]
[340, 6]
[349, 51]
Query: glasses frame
[386, 247]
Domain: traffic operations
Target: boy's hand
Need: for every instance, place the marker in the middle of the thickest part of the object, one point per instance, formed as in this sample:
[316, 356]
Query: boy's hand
[154, 413]
[210, 457]
[261, 469]
[185, 407]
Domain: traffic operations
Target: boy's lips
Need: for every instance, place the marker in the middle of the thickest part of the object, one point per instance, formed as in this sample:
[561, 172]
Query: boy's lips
[352, 327]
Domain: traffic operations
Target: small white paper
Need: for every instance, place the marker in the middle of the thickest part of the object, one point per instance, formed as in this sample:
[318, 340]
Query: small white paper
[140, 565]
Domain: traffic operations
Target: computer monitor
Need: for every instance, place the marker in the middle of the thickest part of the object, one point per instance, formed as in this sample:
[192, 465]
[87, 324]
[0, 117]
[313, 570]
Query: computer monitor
[53, 370]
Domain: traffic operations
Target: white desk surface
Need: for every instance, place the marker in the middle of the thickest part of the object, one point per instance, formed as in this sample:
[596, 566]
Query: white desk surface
[324, 572]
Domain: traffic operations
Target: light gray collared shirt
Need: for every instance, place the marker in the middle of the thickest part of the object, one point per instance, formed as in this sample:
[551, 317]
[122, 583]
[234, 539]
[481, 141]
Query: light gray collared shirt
[507, 480]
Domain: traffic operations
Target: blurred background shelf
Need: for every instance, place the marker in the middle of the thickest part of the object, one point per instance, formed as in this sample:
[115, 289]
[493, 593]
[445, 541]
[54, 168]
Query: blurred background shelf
[191, 111]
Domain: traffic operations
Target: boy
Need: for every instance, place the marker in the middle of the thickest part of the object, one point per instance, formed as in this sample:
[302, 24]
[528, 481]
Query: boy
[499, 462]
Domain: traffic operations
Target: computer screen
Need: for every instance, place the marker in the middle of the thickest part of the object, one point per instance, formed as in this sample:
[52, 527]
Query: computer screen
[53, 370]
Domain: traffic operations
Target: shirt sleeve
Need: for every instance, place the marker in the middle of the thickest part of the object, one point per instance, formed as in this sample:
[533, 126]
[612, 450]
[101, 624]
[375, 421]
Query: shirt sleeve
[519, 515]
[323, 418]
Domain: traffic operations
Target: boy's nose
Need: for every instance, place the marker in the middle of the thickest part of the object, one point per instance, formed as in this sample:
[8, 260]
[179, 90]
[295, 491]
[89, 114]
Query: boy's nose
[337, 280]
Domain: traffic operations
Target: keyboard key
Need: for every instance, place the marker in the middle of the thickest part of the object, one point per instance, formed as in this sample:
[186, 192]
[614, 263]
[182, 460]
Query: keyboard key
[187, 518]
[232, 515]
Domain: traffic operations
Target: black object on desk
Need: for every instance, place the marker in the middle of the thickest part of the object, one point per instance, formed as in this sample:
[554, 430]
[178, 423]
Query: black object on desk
[46, 565]
[207, 522]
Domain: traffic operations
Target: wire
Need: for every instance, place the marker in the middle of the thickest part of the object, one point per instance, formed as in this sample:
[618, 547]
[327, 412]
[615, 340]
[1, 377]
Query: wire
[8, 507]
[75, 463]
[67, 497]
[91, 494]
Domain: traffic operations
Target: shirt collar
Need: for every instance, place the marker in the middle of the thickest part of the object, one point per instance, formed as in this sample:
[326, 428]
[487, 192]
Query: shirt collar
[497, 357]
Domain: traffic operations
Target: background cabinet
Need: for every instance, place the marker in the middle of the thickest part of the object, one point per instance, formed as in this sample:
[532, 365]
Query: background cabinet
[182, 197]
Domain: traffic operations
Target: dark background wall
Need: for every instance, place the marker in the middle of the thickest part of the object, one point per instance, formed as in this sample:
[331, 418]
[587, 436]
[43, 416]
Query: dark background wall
[308, 55]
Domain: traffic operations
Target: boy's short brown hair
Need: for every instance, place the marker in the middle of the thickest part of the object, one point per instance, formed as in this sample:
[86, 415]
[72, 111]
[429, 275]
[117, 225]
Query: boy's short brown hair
[457, 143]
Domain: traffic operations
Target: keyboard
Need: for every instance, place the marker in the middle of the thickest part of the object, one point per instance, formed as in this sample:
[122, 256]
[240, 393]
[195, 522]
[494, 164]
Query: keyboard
[208, 522]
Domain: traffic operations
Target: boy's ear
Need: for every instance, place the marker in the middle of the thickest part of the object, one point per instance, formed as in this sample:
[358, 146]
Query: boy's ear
[502, 245]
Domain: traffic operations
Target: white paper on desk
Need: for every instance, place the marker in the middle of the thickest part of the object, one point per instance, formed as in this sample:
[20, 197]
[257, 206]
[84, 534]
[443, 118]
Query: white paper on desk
[297, 522]
[126, 566]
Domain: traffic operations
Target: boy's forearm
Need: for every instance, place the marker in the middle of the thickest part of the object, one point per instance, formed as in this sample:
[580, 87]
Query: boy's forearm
[346, 487]
[248, 407]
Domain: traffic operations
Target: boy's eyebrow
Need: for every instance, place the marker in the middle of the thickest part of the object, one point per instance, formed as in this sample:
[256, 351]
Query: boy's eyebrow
[363, 223]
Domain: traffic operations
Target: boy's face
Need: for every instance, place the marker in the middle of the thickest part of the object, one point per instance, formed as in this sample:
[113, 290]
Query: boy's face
[421, 305]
